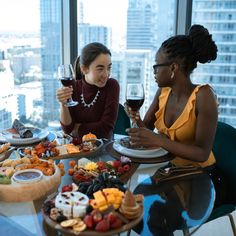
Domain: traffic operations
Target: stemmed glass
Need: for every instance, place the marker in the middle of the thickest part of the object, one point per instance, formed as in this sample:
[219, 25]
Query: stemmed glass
[134, 97]
[66, 76]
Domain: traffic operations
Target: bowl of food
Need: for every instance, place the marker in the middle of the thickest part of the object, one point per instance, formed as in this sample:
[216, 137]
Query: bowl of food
[27, 176]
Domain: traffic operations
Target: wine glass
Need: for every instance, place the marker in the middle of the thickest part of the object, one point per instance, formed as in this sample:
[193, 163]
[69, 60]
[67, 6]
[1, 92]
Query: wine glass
[134, 97]
[66, 76]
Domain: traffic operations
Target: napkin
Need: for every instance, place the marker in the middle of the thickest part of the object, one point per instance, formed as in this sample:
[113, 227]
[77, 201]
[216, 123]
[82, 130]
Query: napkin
[21, 129]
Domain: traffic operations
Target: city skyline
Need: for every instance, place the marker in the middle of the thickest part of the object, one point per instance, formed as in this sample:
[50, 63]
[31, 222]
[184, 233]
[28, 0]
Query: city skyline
[93, 14]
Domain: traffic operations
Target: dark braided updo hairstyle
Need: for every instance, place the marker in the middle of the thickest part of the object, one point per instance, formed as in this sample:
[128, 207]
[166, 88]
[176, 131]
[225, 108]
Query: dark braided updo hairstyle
[187, 50]
[88, 54]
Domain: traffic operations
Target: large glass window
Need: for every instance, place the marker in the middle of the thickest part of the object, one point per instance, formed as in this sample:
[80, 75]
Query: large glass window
[133, 30]
[29, 56]
[219, 18]
[30, 50]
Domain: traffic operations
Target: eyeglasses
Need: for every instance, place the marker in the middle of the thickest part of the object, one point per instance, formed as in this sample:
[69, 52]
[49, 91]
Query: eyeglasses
[156, 66]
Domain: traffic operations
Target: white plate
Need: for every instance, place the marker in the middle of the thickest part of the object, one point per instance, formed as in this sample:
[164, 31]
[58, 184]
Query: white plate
[139, 153]
[14, 139]
[27, 176]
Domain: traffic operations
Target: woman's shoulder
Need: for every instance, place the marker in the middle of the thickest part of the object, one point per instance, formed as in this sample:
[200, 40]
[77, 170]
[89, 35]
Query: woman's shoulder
[205, 90]
[206, 93]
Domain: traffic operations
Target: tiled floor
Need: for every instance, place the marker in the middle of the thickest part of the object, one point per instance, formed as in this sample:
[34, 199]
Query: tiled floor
[218, 227]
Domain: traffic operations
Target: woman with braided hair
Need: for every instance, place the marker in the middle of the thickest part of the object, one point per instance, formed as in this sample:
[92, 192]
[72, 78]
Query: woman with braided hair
[185, 114]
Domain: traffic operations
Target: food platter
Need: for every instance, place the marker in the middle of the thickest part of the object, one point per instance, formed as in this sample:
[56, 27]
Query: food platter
[148, 153]
[63, 151]
[11, 136]
[21, 192]
[126, 227]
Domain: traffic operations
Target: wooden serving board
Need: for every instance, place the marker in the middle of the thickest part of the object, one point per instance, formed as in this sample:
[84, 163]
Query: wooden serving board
[64, 154]
[68, 231]
[18, 192]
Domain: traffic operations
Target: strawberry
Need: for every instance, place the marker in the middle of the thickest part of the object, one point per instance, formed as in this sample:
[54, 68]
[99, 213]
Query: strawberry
[120, 170]
[101, 165]
[97, 217]
[102, 226]
[117, 223]
[110, 217]
[116, 164]
[66, 188]
[88, 220]
[126, 167]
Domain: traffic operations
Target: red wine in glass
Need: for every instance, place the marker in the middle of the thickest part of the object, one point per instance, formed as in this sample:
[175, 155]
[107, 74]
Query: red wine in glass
[66, 75]
[135, 97]
[67, 82]
[135, 102]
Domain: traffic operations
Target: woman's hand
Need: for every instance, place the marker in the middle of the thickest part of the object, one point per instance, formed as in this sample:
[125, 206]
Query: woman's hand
[144, 137]
[63, 94]
[133, 115]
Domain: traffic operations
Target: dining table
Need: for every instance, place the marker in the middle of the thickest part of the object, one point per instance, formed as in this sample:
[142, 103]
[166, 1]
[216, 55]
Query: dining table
[175, 204]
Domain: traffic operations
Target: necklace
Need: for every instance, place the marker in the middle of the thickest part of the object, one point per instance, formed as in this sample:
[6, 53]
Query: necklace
[91, 103]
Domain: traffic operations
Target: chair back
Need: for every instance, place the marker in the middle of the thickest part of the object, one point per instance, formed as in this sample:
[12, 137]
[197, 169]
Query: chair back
[224, 149]
[122, 122]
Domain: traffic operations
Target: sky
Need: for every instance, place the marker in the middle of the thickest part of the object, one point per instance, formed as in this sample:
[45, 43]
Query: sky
[20, 15]
[12, 19]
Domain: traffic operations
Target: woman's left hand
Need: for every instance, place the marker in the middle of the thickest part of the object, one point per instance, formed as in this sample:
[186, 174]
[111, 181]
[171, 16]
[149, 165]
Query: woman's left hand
[143, 137]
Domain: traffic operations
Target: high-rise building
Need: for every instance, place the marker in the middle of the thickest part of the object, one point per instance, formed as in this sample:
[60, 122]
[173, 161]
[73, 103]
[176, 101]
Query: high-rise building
[8, 102]
[219, 17]
[149, 23]
[132, 66]
[50, 56]
[140, 28]
[93, 33]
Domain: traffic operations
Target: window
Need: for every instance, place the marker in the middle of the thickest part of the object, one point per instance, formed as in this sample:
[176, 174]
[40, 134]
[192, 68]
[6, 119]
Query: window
[220, 73]
[30, 50]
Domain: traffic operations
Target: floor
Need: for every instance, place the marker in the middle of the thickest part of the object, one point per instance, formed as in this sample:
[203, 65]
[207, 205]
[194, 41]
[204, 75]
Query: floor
[218, 227]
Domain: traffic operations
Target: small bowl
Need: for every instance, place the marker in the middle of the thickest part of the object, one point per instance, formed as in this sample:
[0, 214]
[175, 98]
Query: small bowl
[27, 176]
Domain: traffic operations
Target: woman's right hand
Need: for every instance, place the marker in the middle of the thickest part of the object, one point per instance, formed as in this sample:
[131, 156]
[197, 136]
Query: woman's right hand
[63, 94]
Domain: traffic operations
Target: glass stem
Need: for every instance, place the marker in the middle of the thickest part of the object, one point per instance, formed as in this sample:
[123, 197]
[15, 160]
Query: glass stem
[134, 124]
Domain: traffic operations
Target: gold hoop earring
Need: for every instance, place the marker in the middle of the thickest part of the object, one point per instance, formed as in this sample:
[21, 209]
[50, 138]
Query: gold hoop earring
[172, 75]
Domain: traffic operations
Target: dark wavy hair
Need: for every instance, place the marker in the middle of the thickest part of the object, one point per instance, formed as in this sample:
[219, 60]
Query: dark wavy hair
[197, 46]
[88, 54]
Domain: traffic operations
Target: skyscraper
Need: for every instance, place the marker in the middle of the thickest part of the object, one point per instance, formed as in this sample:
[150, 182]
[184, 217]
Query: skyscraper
[219, 17]
[93, 33]
[139, 22]
[8, 100]
[50, 56]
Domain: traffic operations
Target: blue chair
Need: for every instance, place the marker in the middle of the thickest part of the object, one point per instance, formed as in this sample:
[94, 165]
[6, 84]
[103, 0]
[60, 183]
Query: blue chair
[122, 122]
[224, 149]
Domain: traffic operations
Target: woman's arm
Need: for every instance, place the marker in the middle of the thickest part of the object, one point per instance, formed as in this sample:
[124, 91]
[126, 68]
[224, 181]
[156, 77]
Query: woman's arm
[63, 94]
